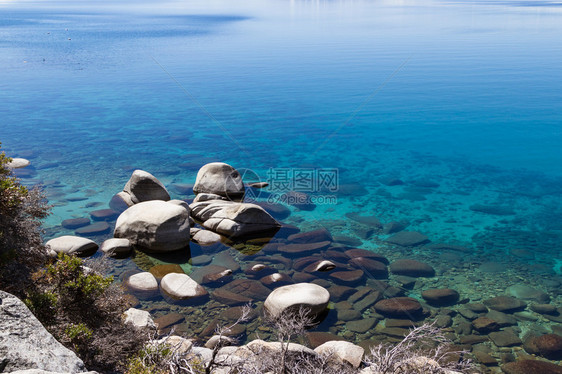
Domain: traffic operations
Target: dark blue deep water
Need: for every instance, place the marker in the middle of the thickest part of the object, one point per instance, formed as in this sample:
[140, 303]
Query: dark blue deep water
[445, 116]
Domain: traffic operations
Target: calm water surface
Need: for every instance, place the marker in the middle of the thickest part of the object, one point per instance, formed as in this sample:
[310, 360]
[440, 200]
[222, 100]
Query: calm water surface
[465, 95]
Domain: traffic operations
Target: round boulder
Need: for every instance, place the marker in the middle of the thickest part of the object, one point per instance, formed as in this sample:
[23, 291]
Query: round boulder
[181, 287]
[142, 284]
[440, 296]
[399, 307]
[156, 226]
[411, 268]
[17, 163]
[71, 245]
[309, 296]
[220, 179]
[505, 304]
[143, 186]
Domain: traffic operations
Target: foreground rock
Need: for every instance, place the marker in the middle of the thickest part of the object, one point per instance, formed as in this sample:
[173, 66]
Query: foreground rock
[234, 220]
[155, 226]
[71, 245]
[116, 247]
[25, 344]
[143, 186]
[290, 298]
[139, 318]
[344, 351]
[220, 179]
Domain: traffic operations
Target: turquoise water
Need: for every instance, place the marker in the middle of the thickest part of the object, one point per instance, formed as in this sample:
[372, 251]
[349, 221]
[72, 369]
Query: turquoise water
[465, 95]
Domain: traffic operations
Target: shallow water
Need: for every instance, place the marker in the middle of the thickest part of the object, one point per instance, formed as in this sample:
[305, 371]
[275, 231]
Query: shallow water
[465, 95]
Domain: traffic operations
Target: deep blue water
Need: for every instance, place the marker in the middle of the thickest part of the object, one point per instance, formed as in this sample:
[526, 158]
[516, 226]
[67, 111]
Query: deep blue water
[467, 95]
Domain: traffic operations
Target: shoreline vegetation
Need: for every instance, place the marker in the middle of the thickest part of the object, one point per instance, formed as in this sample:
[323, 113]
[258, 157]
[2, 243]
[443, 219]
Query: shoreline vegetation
[97, 318]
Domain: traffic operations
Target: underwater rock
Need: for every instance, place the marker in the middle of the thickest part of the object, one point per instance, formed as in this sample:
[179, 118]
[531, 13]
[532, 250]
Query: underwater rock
[322, 265]
[393, 227]
[399, 307]
[370, 221]
[505, 338]
[168, 320]
[495, 210]
[356, 252]
[315, 236]
[347, 241]
[225, 259]
[276, 280]
[71, 245]
[247, 287]
[505, 304]
[217, 277]
[229, 298]
[412, 268]
[549, 346]
[484, 325]
[501, 319]
[159, 271]
[374, 268]
[441, 296]
[200, 260]
[531, 367]
[313, 298]
[143, 186]
[347, 277]
[116, 247]
[277, 211]
[211, 272]
[155, 226]
[408, 239]
[258, 270]
[317, 338]
[305, 248]
[181, 287]
[543, 308]
[299, 200]
[525, 292]
[338, 293]
[104, 215]
[96, 228]
[362, 325]
[74, 223]
[220, 179]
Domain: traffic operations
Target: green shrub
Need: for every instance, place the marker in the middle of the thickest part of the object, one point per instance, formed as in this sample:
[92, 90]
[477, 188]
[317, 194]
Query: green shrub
[21, 246]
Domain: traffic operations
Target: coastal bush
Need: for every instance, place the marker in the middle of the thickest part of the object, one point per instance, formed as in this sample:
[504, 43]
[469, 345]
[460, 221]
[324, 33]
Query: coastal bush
[21, 247]
[83, 309]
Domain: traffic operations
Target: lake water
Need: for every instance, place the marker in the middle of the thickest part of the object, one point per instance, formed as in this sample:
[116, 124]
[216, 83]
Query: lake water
[445, 116]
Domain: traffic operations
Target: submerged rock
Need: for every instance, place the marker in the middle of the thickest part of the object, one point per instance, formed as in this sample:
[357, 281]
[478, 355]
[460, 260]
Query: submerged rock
[156, 226]
[412, 268]
[531, 367]
[220, 179]
[143, 186]
[408, 238]
[313, 298]
[116, 247]
[400, 307]
[74, 223]
[505, 304]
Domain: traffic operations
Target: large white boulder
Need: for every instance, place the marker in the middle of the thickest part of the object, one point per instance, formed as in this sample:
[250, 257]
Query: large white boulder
[25, 344]
[143, 186]
[344, 351]
[155, 226]
[220, 179]
[181, 287]
[312, 297]
[71, 245]
[234, 220]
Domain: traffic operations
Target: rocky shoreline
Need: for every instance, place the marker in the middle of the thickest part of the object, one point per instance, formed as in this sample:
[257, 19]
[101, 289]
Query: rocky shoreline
[243, 253]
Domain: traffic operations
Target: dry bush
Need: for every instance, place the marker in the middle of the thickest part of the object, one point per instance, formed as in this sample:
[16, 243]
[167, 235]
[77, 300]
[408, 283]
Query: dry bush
[425, 350]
